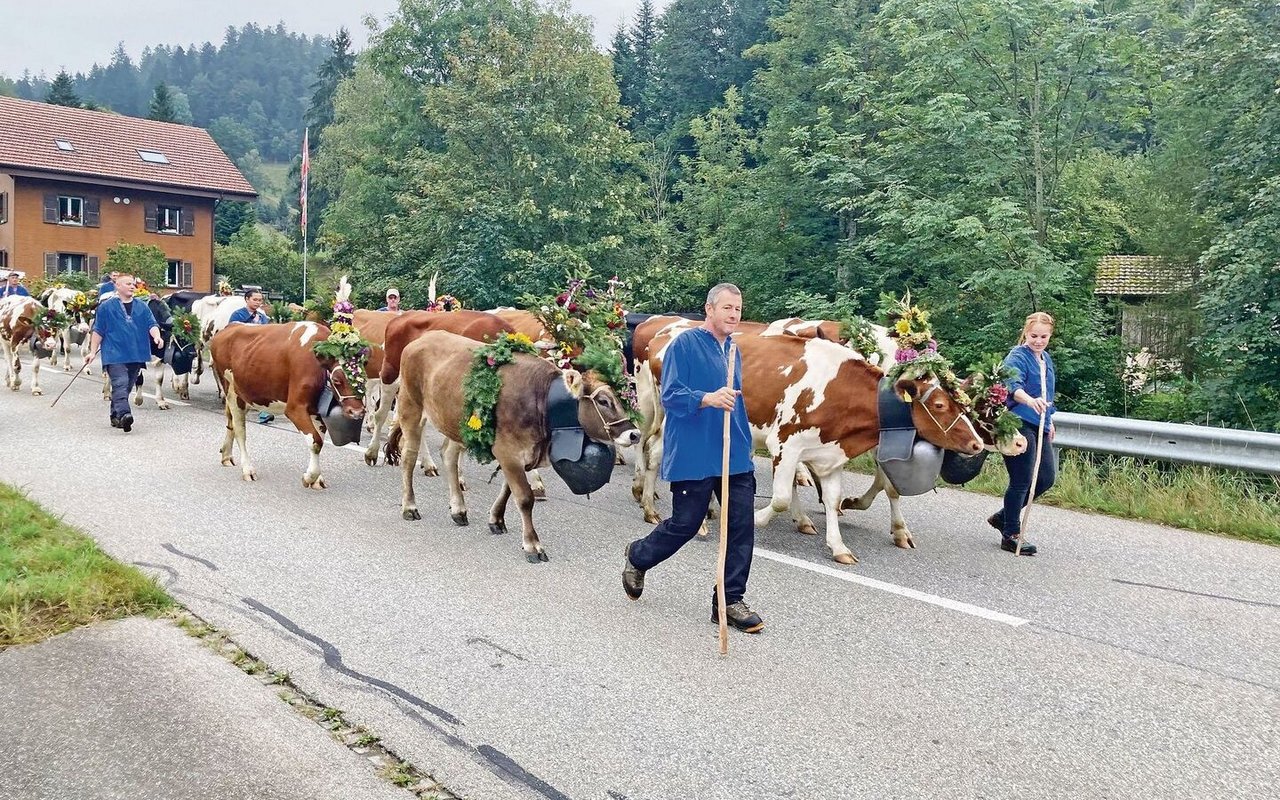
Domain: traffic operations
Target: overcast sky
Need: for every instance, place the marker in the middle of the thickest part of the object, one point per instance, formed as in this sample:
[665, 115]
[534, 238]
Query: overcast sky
[45, 36]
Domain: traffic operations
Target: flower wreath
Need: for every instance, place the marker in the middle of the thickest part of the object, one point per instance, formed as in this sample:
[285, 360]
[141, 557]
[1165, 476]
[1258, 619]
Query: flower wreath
[224, 289]
[345, 345]
[186, 328]
[480, 392]
[861, 336]
[52, 320]
[445, 302]
[990, 409]
[917, 357]
[81, 306]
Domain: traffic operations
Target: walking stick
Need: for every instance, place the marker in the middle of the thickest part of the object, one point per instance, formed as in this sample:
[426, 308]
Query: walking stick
[1035, 469]
[68, 386]
[724, 512]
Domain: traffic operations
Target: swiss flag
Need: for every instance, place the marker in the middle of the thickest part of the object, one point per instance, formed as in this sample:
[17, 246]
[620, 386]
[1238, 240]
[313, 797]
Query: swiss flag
[306, 167]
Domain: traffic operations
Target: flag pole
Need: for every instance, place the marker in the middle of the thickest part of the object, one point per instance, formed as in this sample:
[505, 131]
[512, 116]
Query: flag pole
[305, 169]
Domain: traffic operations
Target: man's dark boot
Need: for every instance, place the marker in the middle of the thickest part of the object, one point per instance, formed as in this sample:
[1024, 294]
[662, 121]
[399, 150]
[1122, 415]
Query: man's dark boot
[632, 578]
[1009, 544]
[996, 521]
[126, 422]
[115, 422]
[739, 616]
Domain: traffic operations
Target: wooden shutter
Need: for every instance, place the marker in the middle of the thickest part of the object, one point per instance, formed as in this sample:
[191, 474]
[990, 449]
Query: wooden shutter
[4, 207]
[92, 213]
[149, 218]
[187, 222]
[50, 265]
[4, 258]
[51, 208]
[91, 266]
[186, 275]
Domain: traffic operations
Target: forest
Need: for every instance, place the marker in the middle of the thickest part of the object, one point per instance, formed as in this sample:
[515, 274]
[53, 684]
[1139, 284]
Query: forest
[983, 154]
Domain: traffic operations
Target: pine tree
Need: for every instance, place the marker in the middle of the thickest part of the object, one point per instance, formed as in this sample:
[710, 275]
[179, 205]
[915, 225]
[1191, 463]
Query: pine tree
[62, 92]
[162, 108]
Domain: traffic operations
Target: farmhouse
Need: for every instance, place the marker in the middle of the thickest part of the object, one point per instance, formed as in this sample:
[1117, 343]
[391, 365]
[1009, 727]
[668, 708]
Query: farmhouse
[73, 183]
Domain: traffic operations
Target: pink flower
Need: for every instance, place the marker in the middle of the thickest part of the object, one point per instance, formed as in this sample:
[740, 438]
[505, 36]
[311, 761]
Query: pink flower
[906, 354]
[491, 361]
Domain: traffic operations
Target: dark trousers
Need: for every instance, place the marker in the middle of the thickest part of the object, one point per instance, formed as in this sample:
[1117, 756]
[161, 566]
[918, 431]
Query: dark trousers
[123, 378]
[689, 501]
[1019, 467]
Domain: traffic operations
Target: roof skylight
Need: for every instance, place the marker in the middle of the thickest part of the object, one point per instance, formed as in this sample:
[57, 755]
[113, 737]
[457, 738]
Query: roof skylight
[153, 157]
[63, 144]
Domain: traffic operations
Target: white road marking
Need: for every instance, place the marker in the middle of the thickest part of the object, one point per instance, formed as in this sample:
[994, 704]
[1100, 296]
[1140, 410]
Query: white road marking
[914, 594]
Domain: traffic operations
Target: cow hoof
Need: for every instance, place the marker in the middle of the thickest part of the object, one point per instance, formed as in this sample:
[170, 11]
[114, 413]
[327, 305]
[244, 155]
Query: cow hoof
[535, 558]
[137, 401]
[37, 392]
[316, 483]
[431, 472]
[249, 476]
[904, 542]
[540, 493]
[652, 517]
[845, 558]
[637, 492]
[371, 460]
[497, 528]
[807, 529]
[162, 406]
[411, 514]
[459, 518]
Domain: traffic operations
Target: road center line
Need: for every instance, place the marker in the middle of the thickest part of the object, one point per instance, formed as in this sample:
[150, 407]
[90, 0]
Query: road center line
[891, 588]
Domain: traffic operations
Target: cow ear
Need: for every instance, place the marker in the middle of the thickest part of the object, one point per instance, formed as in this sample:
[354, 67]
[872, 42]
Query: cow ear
[572, 381]
[906, 389]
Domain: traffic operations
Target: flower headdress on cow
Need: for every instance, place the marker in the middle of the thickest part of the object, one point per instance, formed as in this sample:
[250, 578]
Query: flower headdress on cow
[224, 289]
[587, 324]
[989, 388]
[917, 356]
[480, 392]
[186, 328]
[81, 306]
[345, 345]
[141, 290]
[445, 302]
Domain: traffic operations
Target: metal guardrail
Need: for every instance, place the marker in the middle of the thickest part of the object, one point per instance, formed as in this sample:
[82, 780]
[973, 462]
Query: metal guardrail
[1251, 451]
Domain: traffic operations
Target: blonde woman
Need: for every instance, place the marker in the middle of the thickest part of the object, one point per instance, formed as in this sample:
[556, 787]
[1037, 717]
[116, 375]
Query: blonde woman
[1031, 395]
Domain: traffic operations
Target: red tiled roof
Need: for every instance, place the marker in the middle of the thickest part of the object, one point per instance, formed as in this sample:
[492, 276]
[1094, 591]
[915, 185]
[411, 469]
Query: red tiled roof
[1139, 275]
[106, 146]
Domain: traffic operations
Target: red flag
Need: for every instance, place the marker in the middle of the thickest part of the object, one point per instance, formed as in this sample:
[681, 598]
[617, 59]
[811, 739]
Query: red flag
[306, 167]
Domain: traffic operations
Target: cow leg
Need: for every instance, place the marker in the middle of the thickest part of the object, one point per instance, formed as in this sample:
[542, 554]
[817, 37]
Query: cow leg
[10, 366]
[161, 402]
[538, 487]
[36, 391]
[784, 476]
[498, 511]
[451, 454]
[411, 439]
[180, 384]
[649, 491]
[106, 386]
[429, 467]
[386, 397]
[831, 486]
[137, 388]
[518, 486]
[311, 479]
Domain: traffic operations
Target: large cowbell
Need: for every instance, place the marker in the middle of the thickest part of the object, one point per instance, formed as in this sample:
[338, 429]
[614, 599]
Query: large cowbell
[342, 430]
[583, 464]
[959, 469]
[911, 464]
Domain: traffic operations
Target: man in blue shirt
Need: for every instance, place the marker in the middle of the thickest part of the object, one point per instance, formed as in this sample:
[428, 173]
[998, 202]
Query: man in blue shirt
[695, 398]
[12, 288]
[109, 285]
[393, 301]
[121, 328]
[252, 314]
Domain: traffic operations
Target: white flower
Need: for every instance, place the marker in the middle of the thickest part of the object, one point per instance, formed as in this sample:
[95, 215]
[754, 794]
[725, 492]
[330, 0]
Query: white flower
[586, 326]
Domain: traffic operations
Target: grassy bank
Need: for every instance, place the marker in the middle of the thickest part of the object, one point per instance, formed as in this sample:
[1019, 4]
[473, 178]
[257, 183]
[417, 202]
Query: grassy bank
[1243, 506]
[54, 578]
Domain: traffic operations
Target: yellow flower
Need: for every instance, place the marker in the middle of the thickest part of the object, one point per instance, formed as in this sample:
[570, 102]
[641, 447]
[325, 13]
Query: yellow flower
[903, 327]
[475, 423]
[522, 338]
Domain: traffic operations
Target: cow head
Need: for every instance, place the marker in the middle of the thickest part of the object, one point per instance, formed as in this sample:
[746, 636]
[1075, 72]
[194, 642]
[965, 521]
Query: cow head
[46, 325]
[939, 416]
[991, 417]
[600, 414]
[352, 406]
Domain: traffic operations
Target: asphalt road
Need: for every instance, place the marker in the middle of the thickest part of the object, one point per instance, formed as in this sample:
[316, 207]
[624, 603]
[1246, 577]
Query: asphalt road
[1127, 660]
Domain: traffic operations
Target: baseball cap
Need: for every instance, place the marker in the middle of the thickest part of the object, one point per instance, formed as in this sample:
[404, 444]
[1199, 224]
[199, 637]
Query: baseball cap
[393, 292]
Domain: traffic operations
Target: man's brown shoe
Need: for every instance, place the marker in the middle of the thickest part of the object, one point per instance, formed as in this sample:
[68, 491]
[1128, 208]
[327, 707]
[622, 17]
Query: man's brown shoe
[632, 578]
[739, 616]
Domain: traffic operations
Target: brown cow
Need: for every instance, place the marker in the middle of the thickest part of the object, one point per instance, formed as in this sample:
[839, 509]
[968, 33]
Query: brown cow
[20, 322]
[274, 367]
[433, 367]
[401, 331]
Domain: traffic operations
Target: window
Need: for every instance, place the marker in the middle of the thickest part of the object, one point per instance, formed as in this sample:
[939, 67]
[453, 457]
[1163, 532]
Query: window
[178, 274]
[168, 219]
[56, 264]
[4, 207]
[70, 262]
[4, 259]
[153, 157]
[64, 145]
[70, 210]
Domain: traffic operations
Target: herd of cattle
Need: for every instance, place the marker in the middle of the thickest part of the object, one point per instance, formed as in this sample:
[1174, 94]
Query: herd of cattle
[811, 398]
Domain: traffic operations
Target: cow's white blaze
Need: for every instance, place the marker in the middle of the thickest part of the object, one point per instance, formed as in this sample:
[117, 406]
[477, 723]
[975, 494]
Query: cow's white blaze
[305, 331]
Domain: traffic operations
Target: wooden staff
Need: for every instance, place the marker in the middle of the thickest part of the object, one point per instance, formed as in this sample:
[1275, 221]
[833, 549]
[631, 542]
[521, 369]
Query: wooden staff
[68, 386]
[1035, 470]
[724, 510]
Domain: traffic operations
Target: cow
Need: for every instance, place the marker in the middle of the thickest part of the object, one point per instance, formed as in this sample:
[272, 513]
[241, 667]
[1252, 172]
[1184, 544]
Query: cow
[57, 299]
[431, 371]
[214, 312]
[408, 326]
[274, 367]
[21, 320]
[373, 327]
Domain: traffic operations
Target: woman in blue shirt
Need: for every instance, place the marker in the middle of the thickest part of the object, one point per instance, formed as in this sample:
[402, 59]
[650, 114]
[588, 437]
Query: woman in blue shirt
[1031, 395]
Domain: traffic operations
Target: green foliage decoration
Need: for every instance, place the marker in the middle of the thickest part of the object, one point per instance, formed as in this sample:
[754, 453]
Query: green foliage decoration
[186, 328]
[480, 392]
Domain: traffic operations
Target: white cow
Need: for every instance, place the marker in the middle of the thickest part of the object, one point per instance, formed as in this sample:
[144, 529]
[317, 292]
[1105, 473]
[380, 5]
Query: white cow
[58, 299]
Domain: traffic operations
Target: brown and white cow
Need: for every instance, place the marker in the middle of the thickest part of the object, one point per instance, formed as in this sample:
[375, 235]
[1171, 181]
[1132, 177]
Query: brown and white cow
[432, 368]
[373, 327]
[56, 299]
[273, 367]
[20, 322]
[480, 326]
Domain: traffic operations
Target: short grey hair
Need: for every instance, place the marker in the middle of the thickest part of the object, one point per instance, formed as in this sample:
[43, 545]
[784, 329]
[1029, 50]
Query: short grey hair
[720, 288]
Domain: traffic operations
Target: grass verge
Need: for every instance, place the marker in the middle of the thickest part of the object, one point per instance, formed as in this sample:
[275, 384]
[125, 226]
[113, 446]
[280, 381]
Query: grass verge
[1243, 506]
[54, 578]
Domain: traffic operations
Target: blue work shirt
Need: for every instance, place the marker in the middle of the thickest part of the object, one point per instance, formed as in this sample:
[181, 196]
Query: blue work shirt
[126, 338]
[246, 316]
[106, 287]
[695, 365]
[14, 291]
[1022, 359]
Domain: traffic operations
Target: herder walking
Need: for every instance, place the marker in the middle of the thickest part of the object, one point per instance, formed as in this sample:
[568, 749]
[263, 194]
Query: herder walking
[120, 332]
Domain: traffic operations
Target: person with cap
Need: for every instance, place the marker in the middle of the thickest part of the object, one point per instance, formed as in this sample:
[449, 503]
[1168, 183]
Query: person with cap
[12, 288]
[393, 301]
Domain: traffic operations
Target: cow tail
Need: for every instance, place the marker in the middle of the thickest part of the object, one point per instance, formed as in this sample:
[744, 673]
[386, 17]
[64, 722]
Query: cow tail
[392, 449]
